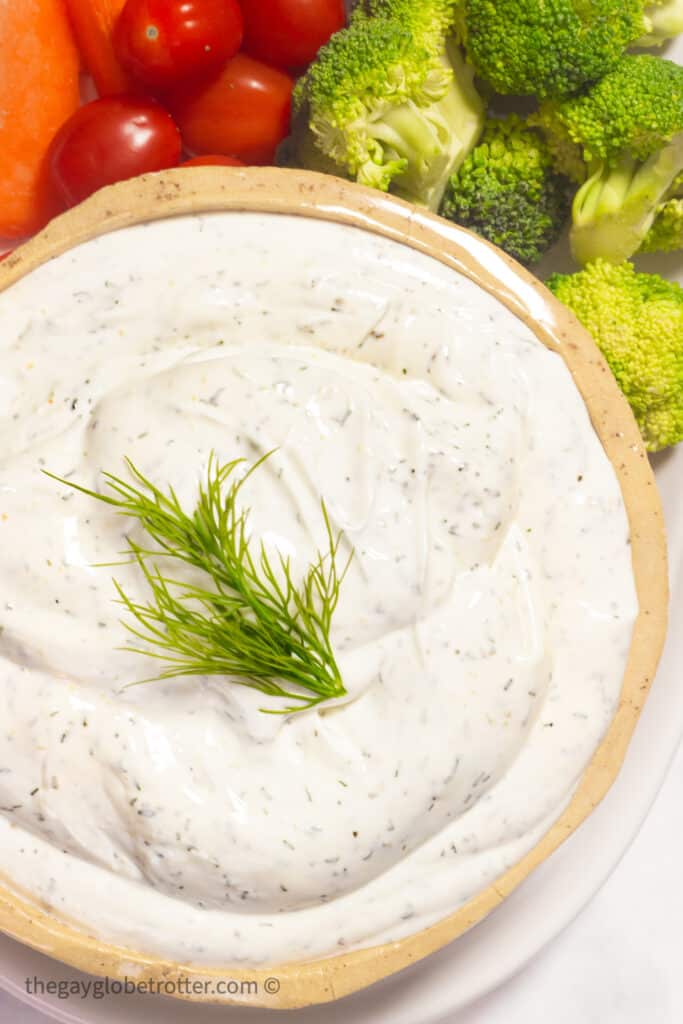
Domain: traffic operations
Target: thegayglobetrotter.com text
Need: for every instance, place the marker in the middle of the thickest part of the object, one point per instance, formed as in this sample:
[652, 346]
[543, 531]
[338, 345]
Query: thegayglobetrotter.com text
[179, 986]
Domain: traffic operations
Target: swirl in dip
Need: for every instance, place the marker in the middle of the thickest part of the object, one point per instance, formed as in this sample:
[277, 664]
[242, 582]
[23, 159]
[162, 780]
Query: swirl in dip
[482, 632]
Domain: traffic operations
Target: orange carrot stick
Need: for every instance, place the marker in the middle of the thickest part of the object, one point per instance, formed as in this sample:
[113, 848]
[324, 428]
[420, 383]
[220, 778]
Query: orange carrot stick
[93, 23]
[38, 92]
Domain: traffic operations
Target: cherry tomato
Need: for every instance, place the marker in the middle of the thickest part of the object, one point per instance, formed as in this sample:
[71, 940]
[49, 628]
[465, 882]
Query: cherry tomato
[110, 140]
[213, 161]
[289, 33]
[244, 112]
[164, 43]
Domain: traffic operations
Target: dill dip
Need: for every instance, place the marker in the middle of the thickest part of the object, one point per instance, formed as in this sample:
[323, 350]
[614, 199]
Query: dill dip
[482, 630]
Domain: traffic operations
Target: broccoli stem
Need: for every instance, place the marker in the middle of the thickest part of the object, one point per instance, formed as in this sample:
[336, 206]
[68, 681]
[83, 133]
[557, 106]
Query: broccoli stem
[614, 210]
[435, 139]
[409, 133]
[664, 21]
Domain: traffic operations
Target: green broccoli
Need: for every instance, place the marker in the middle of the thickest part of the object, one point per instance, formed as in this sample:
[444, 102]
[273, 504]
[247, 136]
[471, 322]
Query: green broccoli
[663, 21]
[508, 192]
[623, 137]
[391, 100]
[548, 48]
[637, 322]
[637, 106]
[299, 149]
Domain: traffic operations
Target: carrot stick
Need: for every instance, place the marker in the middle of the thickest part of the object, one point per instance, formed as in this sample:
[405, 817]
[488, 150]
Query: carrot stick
[93, 23]
[38, 92]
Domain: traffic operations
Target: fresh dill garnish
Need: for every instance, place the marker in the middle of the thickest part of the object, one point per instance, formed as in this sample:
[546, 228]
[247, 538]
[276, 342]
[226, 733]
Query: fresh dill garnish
[251, 622]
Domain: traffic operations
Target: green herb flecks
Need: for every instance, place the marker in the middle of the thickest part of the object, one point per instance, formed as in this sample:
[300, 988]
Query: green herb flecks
[251, 622]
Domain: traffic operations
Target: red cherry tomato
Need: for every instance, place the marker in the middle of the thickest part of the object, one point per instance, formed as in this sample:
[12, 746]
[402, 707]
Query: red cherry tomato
[243, 113]
[164, 43]
[110, 140]
[289, 33]
[213, 161]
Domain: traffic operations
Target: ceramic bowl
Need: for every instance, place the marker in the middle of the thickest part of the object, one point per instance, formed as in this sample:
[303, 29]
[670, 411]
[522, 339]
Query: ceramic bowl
[201, 190]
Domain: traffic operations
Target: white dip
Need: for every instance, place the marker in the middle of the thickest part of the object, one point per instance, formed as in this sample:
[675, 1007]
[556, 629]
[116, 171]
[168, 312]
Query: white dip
[483, 628]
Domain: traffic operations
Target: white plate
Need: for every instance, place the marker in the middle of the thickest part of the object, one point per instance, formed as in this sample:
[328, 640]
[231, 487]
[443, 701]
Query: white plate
[545, 904]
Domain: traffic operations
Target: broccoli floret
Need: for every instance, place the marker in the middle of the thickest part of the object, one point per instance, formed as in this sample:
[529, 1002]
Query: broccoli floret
[299, 149]
[666, 233]
[636, 107]
[428, 19]
[548, 47]
[508, 192]
[624, 137]
[663, 21]
[637, 322]
[392, 101]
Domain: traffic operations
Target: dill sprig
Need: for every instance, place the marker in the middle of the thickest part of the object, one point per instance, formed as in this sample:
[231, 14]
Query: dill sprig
[251, 622]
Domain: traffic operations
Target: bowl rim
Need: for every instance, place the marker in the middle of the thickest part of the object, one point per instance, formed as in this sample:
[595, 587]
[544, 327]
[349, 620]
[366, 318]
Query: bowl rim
[307, 194]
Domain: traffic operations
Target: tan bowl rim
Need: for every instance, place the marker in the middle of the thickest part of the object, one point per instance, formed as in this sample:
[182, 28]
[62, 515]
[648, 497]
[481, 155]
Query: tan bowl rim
[207, 189]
